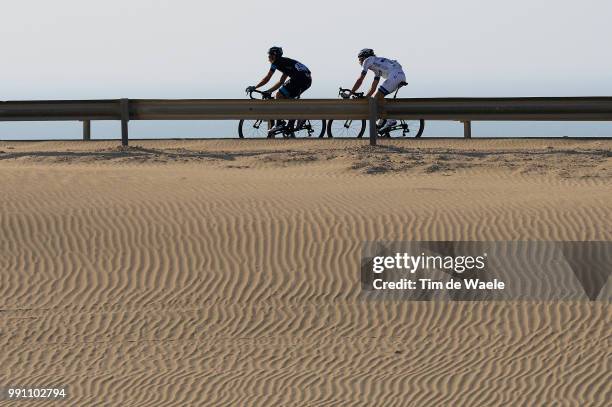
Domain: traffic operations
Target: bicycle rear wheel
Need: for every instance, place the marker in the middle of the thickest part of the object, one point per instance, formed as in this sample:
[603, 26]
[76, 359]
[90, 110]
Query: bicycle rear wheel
[410, 128]
[414, 128]
[310, 128]
[346, 128]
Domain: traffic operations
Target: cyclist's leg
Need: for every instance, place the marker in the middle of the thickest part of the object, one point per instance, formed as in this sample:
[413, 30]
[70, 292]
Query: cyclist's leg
[287, 91]
[275, 125]
[380, 96]
[390, 85]
[304, 85]
[281, 94]
[294, 88]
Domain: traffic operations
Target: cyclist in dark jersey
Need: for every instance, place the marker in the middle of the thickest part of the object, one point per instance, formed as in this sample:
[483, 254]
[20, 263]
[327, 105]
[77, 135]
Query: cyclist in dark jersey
[299, 78]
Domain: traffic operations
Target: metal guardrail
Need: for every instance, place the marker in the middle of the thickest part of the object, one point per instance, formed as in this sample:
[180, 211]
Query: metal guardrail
[465, 110]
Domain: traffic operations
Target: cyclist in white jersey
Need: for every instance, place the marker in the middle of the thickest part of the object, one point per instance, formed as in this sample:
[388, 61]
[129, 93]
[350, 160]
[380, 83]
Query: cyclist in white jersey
[388, 69]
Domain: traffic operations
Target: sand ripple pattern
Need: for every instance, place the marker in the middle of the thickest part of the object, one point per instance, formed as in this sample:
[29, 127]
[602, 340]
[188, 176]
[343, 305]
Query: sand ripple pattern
[143, 283]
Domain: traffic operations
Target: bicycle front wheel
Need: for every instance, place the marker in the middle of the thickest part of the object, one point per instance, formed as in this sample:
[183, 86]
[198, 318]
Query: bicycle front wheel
[254, 128]
[346, 128]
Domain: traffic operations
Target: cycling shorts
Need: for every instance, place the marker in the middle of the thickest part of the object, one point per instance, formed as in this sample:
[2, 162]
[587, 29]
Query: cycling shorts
[295, 86]
[391, 84]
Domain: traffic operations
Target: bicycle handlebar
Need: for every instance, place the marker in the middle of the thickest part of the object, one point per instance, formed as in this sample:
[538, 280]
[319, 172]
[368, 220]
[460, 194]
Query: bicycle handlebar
[347, 93]
[264, 95]
[343, 93]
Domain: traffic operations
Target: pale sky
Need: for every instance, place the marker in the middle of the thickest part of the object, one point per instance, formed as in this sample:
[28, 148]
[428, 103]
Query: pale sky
[68, 49]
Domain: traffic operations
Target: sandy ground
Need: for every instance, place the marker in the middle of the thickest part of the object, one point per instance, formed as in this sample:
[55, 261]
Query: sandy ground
[227, 272]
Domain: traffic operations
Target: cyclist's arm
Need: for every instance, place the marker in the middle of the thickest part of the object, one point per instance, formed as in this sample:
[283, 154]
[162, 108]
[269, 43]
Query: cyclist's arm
[265, 80]
[358, 83]
[373, 88]
[279, 84]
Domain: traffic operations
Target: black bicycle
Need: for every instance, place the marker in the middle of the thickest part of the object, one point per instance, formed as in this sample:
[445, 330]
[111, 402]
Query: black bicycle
[356, 128]
[266, 128]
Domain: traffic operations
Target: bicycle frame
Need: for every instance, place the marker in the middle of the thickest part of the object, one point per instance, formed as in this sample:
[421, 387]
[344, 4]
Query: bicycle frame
[301, 124]
[401, 125]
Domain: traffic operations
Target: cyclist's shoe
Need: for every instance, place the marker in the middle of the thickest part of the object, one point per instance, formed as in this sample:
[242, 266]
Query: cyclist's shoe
[388, 125]
[280, 125]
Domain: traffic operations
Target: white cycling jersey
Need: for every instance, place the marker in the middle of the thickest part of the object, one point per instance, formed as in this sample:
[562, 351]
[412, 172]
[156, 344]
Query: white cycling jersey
[381, 66]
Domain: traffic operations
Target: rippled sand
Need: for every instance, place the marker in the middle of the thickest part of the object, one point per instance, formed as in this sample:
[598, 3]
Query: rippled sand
[227, 272]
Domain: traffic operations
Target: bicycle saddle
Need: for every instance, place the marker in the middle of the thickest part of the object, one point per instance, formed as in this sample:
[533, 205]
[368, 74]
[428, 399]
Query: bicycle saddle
[402, 84]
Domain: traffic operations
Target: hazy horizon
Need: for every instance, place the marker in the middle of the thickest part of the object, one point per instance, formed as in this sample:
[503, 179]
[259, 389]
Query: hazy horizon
[187, 49]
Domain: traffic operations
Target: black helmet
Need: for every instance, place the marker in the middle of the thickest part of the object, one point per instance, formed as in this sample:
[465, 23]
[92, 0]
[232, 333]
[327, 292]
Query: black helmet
[276, 51]
[366, 52]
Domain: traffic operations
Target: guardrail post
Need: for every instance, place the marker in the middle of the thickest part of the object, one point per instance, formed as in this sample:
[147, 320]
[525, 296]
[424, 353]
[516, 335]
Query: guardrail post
[125, 117]
[86, 130]
[373, 102]
[467, 129]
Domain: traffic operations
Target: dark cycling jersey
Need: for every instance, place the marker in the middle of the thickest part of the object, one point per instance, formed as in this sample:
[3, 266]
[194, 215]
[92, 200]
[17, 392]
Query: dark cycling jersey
[290, 67]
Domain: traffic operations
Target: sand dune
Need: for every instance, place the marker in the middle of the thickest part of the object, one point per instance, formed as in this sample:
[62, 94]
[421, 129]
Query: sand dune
[226, 272]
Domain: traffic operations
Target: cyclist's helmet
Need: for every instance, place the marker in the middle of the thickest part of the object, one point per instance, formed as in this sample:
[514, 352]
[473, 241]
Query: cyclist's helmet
[365, 53]
[276, 51]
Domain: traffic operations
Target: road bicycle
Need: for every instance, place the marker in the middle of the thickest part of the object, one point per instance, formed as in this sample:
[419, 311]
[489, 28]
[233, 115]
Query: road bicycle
[356, 128]
[261, 128]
